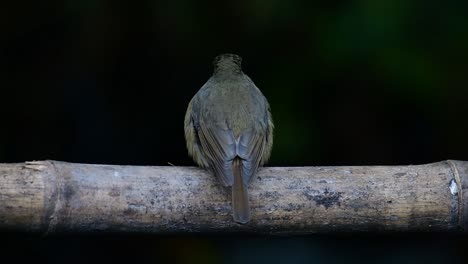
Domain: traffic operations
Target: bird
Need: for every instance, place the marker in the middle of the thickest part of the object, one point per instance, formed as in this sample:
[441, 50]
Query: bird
[229, 130]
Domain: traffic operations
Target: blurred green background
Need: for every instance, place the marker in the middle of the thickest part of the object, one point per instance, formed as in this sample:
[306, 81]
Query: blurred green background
[349, 83]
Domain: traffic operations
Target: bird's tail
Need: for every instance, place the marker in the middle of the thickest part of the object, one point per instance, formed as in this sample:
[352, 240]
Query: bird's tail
[240, 197]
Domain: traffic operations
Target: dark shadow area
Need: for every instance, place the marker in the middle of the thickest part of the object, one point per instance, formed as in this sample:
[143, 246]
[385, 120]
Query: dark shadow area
[349, 248]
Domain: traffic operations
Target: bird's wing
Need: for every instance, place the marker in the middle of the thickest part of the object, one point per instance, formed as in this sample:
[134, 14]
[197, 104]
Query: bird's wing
[268, 136]
[191, 125]
[220, 148]
[250, 149]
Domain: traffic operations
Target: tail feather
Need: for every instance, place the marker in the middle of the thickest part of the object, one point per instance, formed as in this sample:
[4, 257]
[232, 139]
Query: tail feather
[240, 197]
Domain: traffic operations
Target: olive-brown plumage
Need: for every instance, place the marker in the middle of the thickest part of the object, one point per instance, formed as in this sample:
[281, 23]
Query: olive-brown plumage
[229, 130]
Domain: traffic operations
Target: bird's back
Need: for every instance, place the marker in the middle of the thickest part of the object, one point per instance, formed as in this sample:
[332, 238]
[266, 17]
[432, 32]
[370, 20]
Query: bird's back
[237, 104]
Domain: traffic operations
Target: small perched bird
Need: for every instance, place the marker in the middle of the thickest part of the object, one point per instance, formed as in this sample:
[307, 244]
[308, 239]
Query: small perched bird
[229, 130]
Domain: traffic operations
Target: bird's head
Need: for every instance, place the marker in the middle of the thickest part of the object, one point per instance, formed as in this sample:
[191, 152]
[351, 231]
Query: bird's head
[229, 63]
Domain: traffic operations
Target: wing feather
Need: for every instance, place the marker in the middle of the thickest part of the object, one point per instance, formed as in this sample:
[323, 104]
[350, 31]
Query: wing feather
[250, 150]
[220, 146]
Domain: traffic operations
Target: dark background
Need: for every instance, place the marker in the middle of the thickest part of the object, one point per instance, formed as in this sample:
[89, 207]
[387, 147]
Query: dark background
[349, 83]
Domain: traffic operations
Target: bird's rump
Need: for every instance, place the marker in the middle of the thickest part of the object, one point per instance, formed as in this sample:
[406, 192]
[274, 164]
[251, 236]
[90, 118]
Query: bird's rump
[221, 147]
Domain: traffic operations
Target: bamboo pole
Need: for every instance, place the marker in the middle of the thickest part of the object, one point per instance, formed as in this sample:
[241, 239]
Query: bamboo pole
[52, 196]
